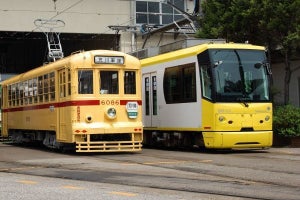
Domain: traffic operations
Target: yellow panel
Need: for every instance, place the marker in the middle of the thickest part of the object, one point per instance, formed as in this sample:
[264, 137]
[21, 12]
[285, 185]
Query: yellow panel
[257, 139]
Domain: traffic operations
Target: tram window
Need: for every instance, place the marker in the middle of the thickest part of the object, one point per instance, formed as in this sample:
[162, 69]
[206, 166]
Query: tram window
[20, 93]
[129, 82]
[52, 86]
[69, 81]
[85, 82]
[180, 84]
[154, 95]
[30, 91]
[34, 87]
[25, 86]
[109, 82]
[46, 87]
[17, 94]
[189, 83]
[13, 97]
[9, 95]
[62, 83]
[40, 89]
[147, 95]
[206, 81]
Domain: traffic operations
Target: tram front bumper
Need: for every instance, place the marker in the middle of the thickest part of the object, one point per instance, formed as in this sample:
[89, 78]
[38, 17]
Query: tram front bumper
[112, 139]
[228, 140]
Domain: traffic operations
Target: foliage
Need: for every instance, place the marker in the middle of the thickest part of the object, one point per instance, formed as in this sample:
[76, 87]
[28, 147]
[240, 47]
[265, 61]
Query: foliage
[264, 22]
[286, 121]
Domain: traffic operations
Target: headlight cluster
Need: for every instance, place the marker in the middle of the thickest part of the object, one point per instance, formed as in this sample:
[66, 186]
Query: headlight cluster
[111, 113]
[221, 118]
[267, 118]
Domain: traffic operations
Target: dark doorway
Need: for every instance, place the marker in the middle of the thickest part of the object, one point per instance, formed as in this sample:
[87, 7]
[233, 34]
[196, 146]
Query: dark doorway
[22, 51]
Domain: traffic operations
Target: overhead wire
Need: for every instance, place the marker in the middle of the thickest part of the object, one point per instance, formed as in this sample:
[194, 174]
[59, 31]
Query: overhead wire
[64, 11]
[58, 13]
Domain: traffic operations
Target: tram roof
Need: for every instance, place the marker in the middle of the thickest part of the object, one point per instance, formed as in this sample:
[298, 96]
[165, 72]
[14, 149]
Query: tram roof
[81, 58]
[195, 50]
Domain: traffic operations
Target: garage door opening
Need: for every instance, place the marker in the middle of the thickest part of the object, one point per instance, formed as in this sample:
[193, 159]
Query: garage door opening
[22, 51]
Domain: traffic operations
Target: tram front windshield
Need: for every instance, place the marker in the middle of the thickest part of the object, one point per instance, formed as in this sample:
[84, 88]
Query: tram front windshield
[235, 76]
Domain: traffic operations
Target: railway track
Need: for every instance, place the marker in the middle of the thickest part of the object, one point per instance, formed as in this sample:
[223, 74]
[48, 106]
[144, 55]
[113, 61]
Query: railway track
[5, 139]
[221, 175]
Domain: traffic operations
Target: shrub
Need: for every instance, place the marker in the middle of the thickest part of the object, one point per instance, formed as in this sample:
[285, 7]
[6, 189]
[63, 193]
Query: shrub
[286, 121]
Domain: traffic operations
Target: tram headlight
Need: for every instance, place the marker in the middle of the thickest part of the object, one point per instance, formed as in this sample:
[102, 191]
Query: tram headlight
[221, 118]
[111, 113]
[267, 118]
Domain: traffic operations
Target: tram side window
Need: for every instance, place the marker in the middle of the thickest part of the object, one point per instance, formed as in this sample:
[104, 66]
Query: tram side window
[180, 84]
[25, 93]
[46, 87]
[206, 81]
[52, 86]
[13, 90]
[30, 91]
[9, 96]
[109, 82]
[147, 95]
[69, 81]
[17, 97]
[85, 82]
[129, 82]
[21, 93]
[34, 89]
[62, 83]
[40, 89]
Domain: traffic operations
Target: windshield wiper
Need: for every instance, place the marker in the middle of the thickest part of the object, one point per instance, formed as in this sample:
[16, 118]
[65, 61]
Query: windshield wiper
[241, 69]
[242, 100]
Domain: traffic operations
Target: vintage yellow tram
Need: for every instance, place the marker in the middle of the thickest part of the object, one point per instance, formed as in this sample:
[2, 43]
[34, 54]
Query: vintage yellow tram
[89, 101]
[215, 95]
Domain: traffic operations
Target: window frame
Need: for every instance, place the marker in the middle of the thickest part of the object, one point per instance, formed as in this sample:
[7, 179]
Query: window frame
[157, 17]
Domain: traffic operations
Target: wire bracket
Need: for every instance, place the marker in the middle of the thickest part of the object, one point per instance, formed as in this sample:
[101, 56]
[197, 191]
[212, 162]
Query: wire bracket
[55, 51]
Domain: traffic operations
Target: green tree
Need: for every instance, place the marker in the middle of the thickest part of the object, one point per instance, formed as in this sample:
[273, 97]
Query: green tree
[272, 23]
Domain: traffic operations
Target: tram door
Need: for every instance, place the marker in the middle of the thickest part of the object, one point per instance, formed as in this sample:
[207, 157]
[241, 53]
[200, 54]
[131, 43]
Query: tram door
[62, 82]
[150, 110]
[4, 117]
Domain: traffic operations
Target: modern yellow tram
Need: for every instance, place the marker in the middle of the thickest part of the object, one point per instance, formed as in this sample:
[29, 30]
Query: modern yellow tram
[211, 95]
[90, 101]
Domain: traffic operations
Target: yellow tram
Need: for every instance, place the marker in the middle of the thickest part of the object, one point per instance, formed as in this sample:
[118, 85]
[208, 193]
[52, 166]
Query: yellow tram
[211, 95]
[89, 101]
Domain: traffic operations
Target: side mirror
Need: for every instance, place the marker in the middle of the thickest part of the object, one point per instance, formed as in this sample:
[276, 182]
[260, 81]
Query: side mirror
[258, 65]
[264, 64]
